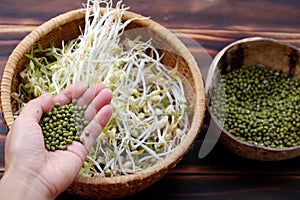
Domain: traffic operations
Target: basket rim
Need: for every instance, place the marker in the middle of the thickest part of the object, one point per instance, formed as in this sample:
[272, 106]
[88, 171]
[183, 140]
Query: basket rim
[198, 115]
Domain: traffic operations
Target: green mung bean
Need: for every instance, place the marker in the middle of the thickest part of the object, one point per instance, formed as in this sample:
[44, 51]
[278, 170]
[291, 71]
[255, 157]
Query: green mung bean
[63, 125]
[259, 105]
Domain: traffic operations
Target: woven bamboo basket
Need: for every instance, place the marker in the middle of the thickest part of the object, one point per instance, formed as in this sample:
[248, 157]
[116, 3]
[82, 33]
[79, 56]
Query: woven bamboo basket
[266, 52]
[66, 27]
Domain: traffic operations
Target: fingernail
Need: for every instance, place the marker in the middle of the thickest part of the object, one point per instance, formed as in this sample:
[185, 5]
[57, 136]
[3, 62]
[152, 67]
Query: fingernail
[45, 94]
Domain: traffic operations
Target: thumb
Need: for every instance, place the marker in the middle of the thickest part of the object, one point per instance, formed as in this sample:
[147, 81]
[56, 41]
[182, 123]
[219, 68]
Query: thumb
[35, 108]
[27, 122]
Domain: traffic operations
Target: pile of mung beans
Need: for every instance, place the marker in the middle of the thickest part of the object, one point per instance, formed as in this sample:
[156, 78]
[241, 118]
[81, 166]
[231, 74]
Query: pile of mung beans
[63, 125]
[259, 105]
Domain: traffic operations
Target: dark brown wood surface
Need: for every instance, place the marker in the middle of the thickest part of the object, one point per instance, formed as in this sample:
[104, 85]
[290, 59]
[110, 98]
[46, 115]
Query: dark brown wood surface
[213, 24]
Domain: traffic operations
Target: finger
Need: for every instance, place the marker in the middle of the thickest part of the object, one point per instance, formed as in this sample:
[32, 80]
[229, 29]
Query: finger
[96, 125]
[35, 108]
[73, 91]
[79, 150]
[90, 94]
[103, 98]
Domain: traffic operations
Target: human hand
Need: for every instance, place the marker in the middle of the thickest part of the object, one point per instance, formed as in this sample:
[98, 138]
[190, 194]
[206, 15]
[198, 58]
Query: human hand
[36, 173]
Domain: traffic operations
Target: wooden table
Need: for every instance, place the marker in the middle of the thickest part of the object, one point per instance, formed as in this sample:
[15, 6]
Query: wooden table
[213, 24]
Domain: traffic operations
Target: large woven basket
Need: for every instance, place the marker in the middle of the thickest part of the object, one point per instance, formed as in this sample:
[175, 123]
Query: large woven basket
[66, 27]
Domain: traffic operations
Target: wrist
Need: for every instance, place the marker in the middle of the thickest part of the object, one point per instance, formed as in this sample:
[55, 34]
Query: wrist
[23, 186]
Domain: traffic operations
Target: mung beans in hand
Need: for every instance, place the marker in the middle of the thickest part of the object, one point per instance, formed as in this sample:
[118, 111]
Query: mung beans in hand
[63, 125]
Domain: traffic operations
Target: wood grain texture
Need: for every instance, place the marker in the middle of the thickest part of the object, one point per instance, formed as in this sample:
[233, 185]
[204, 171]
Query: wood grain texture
[211, 24]
[189, 187]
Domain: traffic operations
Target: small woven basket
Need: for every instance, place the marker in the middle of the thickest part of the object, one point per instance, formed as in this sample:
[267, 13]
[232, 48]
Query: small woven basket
[265, 52]
[66, 27]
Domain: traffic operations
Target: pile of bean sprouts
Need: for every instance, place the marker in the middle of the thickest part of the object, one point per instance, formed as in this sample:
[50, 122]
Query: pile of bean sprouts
[149, 106]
